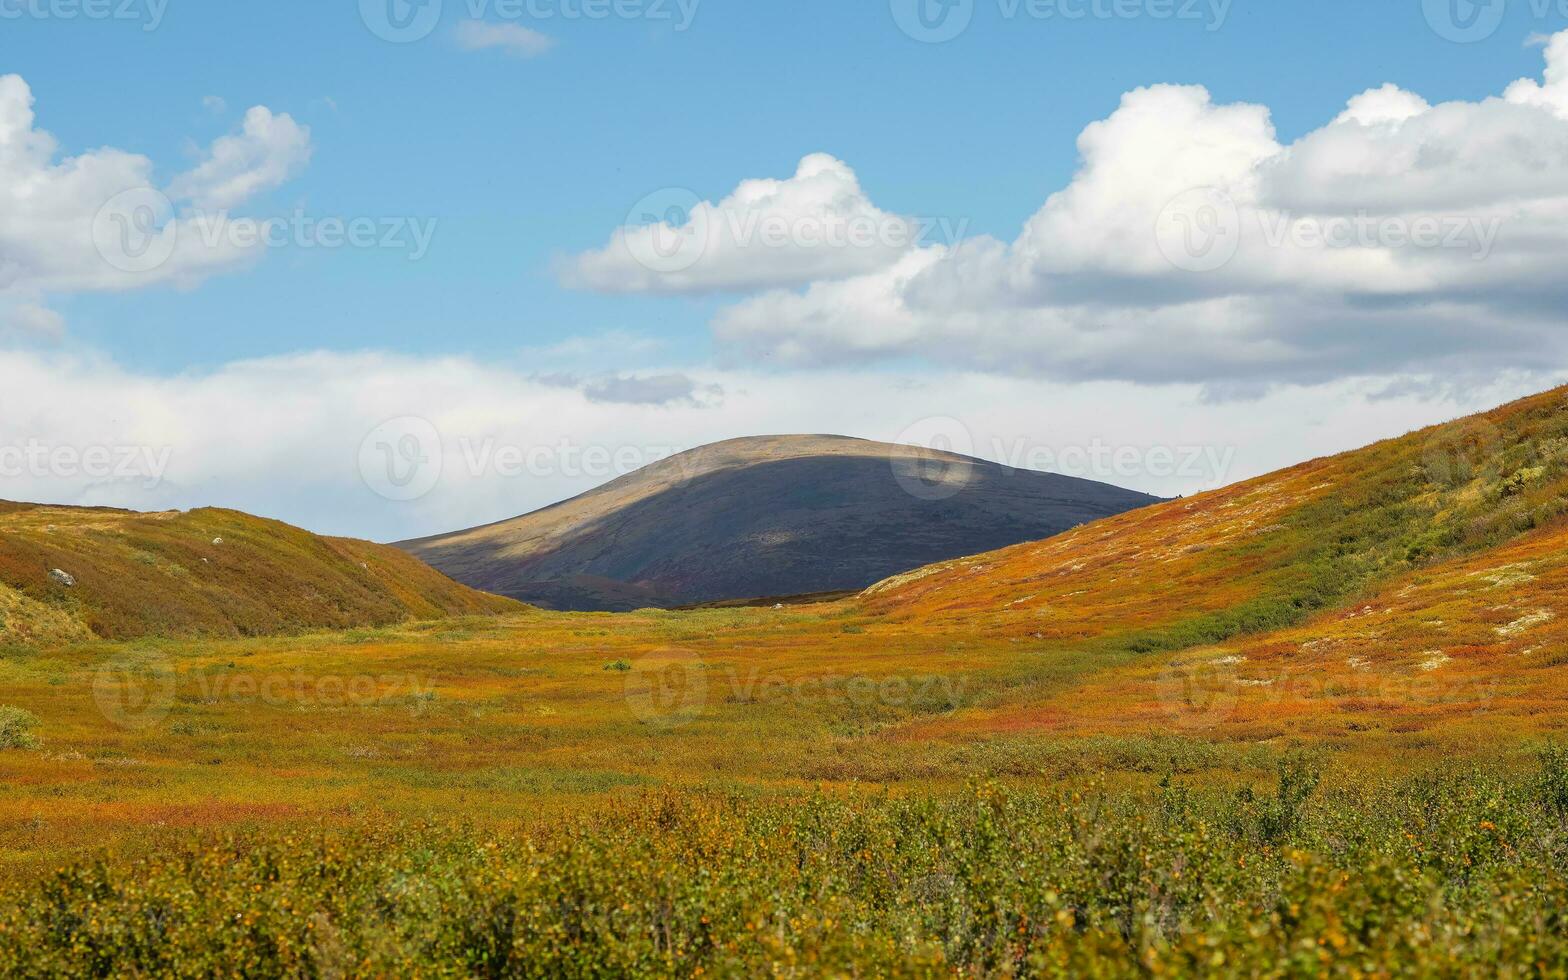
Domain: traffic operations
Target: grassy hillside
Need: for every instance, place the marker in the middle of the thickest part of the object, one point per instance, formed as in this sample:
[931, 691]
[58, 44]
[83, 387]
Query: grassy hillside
[766, 516]
[1307, 720]
[1266, 553]
[1413, 586]
[208, 573]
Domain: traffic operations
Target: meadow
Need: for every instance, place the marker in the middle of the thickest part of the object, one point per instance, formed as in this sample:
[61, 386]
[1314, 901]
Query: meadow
[1458, 874]
[1301, 725]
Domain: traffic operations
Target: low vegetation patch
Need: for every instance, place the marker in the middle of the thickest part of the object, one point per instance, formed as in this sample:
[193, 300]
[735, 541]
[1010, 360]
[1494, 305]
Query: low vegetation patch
[16, 728]
[1430, 875]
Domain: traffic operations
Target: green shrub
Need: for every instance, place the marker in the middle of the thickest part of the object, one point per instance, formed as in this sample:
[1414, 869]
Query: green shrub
[1436, 875]
[1554, 778]
[16, 728]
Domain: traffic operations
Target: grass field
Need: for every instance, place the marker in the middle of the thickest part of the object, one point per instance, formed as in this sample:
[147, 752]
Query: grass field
[1300, 725]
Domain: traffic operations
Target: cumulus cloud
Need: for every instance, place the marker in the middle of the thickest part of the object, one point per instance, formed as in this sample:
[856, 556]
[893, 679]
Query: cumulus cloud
[97, 221]
[268, 150]
[1192, 244]
[767, 233]
[28, 322]
[509, 442]
[513, 39]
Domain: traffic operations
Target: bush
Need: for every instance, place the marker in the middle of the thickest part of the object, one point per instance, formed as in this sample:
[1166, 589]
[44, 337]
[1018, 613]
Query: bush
[1554, 778]
[1441, 875]
[16, 728]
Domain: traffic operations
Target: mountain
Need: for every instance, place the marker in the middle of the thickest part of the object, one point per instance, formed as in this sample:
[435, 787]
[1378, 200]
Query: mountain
[770, 516]
[69, 574]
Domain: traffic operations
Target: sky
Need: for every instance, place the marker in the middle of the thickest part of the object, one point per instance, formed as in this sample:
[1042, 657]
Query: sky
[385, 269]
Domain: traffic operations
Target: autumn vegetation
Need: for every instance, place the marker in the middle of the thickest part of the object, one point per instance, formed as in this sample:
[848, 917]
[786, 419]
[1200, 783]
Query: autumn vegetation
[1304, 725]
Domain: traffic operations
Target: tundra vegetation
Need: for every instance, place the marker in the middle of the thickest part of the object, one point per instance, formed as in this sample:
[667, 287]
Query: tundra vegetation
[1304, 725]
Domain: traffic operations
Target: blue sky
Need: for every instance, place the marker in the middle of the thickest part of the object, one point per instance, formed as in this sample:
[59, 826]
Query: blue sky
[524, 159]
[1264, 230]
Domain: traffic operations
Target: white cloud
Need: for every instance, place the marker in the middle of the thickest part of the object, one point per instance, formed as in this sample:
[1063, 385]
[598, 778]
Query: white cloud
[268, 150]
[1193, 245]
[586, 348]
[215, 104]
[26, 322]
[1389, 104]
[62, 219]
[1552, 93]
[576, 442]
[514, 39]
[816, 225]
[670, 388]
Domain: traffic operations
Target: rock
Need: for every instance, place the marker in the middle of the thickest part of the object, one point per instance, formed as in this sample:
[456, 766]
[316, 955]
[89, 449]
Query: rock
[217, 540]
[62, 578]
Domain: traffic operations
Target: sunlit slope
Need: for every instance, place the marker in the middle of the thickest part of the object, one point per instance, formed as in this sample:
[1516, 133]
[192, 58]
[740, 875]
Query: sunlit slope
[766, 517]
[202, 573]
[1262, 555]
[1474, 648]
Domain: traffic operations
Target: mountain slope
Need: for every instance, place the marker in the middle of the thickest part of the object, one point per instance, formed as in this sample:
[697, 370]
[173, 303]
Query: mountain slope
[770, 516]
[1418, 580]
[203, 573]
[1265, 552]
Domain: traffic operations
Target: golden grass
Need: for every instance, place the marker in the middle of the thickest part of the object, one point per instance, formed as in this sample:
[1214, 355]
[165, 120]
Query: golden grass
[203, 573]
[1397, 605]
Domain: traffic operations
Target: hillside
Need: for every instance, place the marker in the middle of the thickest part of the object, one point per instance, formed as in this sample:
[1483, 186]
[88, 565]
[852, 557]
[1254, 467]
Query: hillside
[1417, 581]
[1266, 690]
[770, 516]
[212, 573]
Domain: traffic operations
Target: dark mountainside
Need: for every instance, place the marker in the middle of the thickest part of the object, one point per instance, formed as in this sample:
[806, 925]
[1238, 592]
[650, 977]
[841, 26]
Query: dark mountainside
[764, 517]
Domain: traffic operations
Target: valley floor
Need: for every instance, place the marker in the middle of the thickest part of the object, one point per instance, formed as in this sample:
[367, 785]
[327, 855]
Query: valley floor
[1303, 724]
[507, 720]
